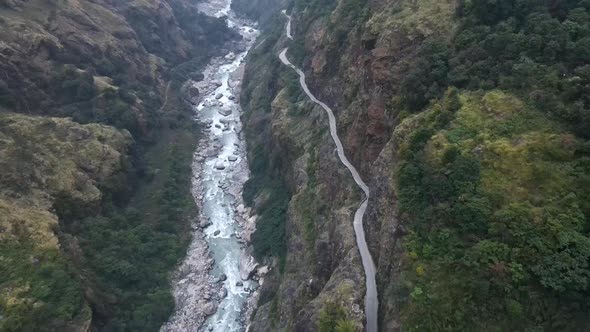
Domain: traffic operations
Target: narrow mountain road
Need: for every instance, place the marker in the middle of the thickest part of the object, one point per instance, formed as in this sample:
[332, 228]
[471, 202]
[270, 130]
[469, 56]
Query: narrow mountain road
[371, 300]
[165, 97]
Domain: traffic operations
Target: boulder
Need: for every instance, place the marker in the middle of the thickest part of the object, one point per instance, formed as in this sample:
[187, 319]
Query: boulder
[222, 293]
[193, 92]
[197, 76]
[232, 158]
[247, 266]
[262, 271]
[219, 96]
[216, 233]
[219, 166]
[224, 111]
[209, 309]
[222, 277]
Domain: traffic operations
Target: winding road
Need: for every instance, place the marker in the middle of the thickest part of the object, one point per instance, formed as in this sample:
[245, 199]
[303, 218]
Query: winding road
[371, 300]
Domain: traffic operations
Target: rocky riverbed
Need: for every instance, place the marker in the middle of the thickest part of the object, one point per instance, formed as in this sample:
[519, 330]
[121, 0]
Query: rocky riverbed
[215, 287]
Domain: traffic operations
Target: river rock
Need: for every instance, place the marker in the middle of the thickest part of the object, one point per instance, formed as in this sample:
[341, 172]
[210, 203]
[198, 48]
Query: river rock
[247, 266]
[197, 76]
[216, 233]
[224, 111]
[209, 309]
[262, 271]
[239, 284]
[219, 96]
[222, 277]
[231, 97]
[219, 166]
[223, 293]
[232, 158]
[193, 92]
[204, 223]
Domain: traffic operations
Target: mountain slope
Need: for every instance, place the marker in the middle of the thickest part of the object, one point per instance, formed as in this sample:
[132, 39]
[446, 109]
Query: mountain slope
[95, 216]
[468, 118]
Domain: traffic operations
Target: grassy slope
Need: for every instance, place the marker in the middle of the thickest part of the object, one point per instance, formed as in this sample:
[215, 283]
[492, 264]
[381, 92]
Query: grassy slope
[44, 161]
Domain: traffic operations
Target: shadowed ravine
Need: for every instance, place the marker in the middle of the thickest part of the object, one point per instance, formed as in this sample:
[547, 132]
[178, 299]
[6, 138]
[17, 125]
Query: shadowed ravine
[371, 300]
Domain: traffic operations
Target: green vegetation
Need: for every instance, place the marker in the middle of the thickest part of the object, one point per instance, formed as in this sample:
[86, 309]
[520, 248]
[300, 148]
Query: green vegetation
[333, 318]
[121, 256]
[269, 237]
[496, 197]
[92, 218]
[493, 175]
[45, 162]
[39, 286]
[266, 190]
[536, 51]
[132, 253]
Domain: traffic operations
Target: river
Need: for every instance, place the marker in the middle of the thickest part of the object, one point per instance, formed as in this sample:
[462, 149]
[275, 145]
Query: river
[212, 286]
[371, 300]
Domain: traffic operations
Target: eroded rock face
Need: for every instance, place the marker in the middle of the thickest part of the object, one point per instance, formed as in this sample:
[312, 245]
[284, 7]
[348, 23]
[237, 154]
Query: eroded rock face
[358, 74]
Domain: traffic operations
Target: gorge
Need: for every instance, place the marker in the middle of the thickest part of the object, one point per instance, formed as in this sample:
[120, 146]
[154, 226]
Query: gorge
[294, 165]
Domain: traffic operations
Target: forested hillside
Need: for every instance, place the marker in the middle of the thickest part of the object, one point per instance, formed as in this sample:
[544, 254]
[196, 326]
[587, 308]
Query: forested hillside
[493, 178]
[96, 144]
[469, 119]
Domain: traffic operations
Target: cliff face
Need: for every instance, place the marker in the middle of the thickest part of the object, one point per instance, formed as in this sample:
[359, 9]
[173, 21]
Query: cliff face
[305, 203]
[357, 74]
[436, 102]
